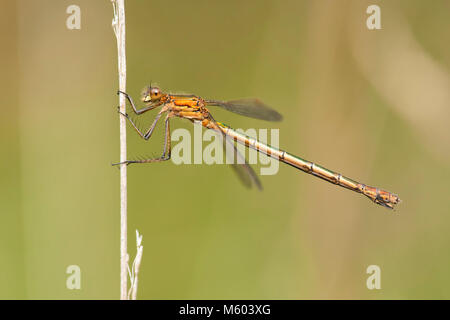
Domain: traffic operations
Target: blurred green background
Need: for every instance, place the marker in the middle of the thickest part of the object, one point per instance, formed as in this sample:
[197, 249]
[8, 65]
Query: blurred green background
[373, 105]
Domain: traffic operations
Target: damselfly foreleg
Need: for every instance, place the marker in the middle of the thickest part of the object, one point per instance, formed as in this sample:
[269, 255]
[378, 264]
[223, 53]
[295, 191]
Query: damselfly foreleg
[140, 111]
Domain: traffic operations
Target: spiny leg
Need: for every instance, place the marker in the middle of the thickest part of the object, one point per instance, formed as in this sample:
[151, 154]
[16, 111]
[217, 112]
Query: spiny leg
[167, 141]
[167, 148]
[130, 100]
[149, 131]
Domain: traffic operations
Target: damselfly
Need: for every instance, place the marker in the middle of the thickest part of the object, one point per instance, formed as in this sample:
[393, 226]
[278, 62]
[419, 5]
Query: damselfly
[193, 108]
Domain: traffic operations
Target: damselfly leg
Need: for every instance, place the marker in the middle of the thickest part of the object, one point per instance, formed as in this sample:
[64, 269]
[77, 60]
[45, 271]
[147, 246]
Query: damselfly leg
[167, 147]
[167, 142]
[140, 111]
[149, 131]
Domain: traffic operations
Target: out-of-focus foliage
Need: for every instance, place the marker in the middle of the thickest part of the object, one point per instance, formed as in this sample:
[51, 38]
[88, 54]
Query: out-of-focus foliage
[373, 105]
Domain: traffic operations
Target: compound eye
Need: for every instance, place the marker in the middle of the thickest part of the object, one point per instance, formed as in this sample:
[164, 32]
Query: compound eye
[155, 93]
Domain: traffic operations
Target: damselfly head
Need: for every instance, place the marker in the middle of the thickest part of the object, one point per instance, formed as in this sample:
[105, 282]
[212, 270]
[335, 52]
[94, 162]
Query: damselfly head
[151, 94]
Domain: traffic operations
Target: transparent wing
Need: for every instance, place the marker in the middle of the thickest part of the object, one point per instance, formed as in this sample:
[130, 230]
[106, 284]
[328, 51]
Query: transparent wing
[244, 172]
[252, 108]
[240, 166]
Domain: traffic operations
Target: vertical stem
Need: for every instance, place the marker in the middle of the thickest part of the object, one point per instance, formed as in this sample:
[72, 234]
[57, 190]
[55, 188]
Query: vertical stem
[136, 266]
[119, 29]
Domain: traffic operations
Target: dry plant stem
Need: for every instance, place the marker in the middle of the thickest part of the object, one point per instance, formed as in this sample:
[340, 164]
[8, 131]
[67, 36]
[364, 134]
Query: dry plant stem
[119, 29]
[135, 268]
